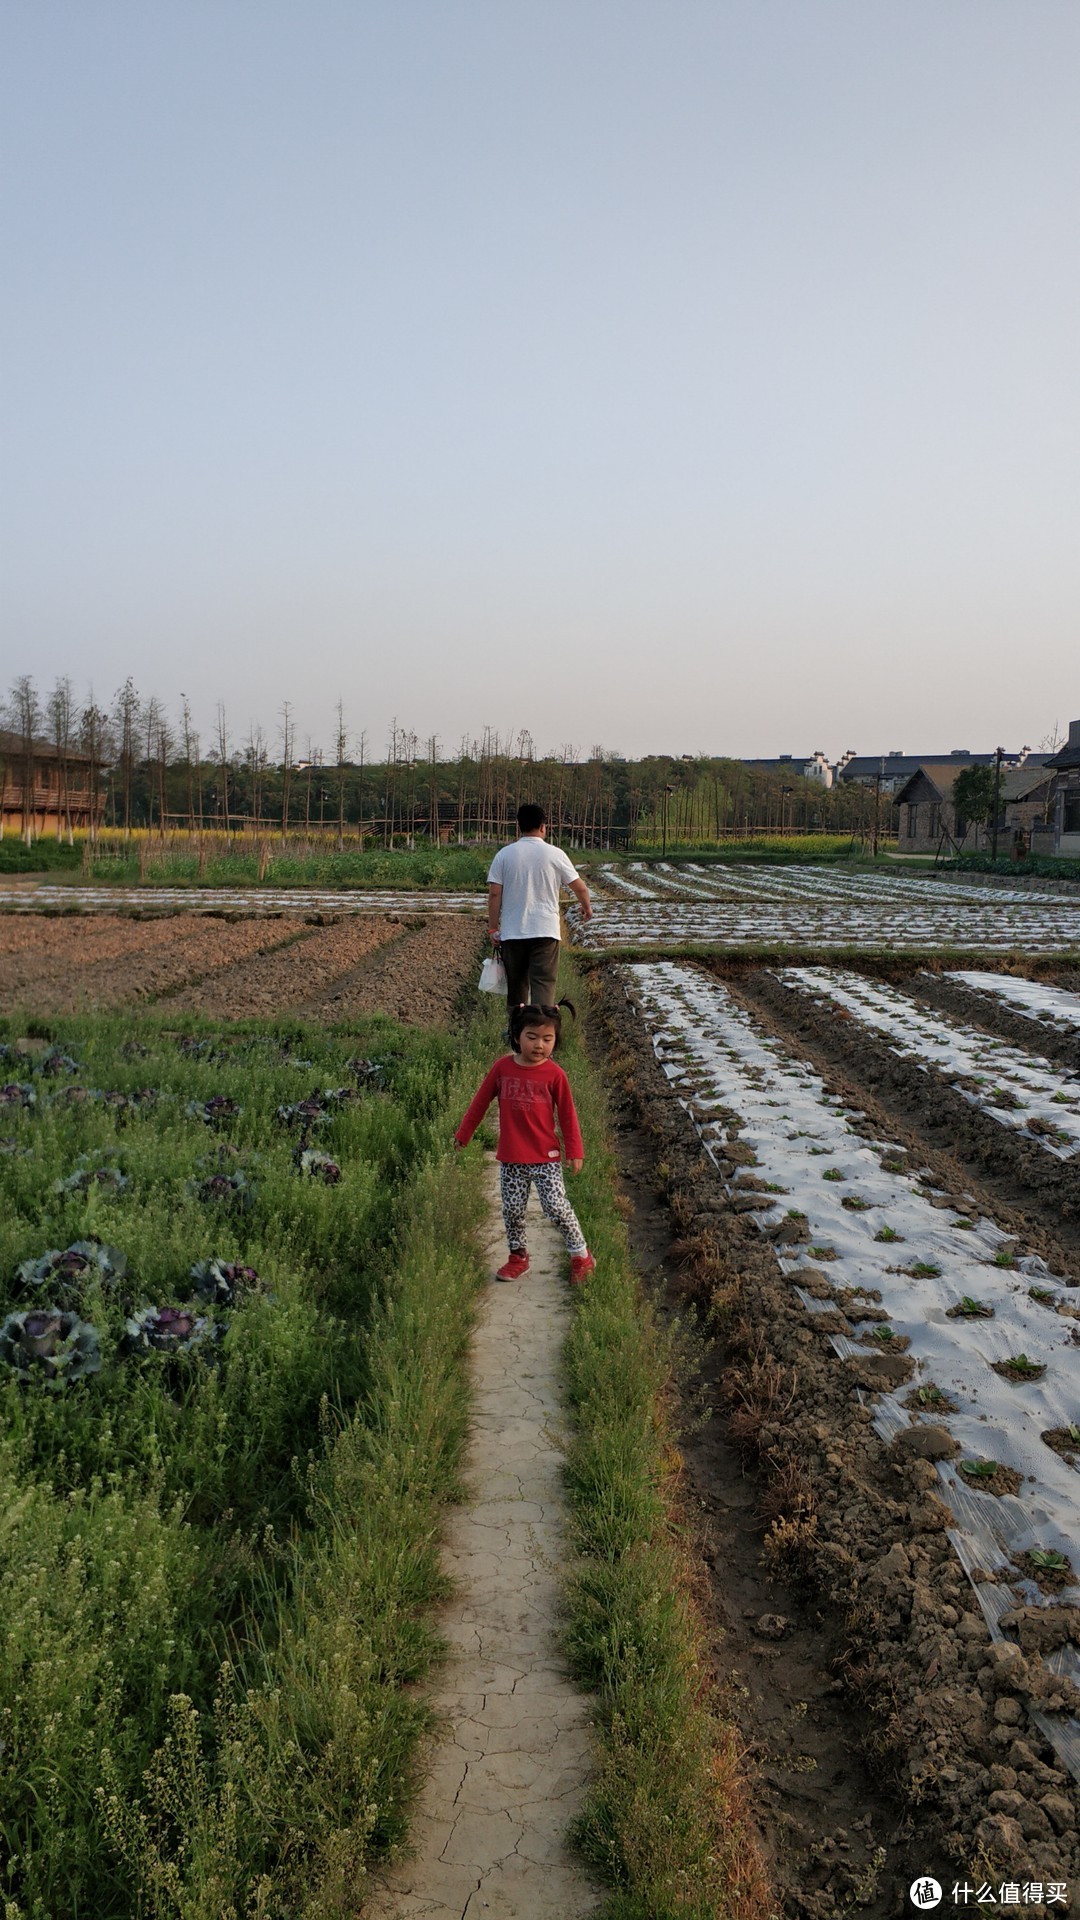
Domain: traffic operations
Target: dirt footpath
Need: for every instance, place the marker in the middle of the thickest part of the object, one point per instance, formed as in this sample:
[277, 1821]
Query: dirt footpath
[509, 1771]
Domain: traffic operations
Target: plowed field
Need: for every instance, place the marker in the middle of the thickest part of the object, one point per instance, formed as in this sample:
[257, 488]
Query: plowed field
[883, 1209]
[252, 968]
[55, 966]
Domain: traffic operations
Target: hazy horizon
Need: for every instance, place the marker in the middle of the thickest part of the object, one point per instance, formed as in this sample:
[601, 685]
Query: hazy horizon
[697, 379]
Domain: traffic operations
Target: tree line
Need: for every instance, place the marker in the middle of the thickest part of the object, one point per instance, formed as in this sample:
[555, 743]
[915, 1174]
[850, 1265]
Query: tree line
[156, 772]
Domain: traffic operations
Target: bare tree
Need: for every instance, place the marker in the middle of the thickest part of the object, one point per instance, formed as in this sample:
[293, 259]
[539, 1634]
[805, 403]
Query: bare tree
[341, 753]
[223, 756]
[60, 707]
[433, 783]
[96, 742]
[23, 709]
[255, 756]
[158, 743]
[126, 715]
[287, 749]
[190, 758]
[362, 743]
[163, 746]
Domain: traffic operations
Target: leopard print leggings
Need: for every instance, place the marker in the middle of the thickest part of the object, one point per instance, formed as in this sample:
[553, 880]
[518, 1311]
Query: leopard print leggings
[515, 1181]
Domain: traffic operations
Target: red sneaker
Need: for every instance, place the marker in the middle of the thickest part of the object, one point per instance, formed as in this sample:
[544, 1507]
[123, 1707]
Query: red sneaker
[517, 1264]
[581, 1265]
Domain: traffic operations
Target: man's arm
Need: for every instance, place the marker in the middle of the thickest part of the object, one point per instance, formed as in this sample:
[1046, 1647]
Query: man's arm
[494, 908]
[581, 894]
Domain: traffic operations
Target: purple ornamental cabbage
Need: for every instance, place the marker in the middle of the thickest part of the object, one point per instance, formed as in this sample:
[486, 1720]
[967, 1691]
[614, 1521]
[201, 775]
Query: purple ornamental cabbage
[368, 1072]
[169, 1330]
[55, 1062]
[319, 1166]
[18, 1093]
[305, 1113]
[70, 1266]
[77, 1096]
[109, 1179]
[230, 1188]
[214, 1112]
[51, 1345]
[218, 1282]
[132, 1102]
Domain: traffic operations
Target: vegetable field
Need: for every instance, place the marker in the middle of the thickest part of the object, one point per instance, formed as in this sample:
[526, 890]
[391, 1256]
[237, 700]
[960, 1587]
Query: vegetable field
[819, 908]
[232, 899]
[964, 1317]
[235, 1276]
[878, 1198]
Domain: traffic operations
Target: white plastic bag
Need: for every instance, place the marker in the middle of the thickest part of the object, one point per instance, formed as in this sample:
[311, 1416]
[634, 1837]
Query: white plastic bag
[493, 974]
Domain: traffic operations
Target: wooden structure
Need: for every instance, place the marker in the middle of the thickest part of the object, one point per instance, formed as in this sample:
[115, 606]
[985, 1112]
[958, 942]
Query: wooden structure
[43, 792]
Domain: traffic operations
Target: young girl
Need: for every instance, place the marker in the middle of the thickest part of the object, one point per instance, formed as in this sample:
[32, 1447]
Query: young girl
[531, 1089]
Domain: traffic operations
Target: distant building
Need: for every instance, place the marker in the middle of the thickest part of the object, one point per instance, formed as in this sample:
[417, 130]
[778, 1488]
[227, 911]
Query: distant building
[1024, 817]
[805, 766]
[894, 769]
[1065, 795]
[47, 790]
[928, 818]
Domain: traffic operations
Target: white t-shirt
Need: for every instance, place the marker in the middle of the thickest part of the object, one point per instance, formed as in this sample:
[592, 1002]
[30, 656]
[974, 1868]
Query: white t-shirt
[530, 874]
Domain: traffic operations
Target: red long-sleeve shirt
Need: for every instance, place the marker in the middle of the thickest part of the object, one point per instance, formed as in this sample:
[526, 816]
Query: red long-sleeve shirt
[529, 1098]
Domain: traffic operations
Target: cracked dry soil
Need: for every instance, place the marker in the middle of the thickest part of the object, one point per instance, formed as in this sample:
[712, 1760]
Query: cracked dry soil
[886, 1737]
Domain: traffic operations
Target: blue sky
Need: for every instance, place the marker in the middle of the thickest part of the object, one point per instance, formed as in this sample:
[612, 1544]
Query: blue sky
[675, 377]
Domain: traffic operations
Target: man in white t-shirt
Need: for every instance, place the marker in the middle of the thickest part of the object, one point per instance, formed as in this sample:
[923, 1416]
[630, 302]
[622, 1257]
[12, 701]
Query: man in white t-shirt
[524, 882]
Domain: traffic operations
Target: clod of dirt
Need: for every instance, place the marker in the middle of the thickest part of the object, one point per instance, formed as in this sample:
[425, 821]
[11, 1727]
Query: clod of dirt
[1063, 1440]
[815, 1284]
[739, 1155]
[771, 1626]
[925, 1443]
[792, 1231]
[1043, 1629]
[882, 1372]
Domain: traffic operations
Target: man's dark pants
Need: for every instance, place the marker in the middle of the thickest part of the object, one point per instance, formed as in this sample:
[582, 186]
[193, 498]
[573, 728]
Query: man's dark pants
[532, 967]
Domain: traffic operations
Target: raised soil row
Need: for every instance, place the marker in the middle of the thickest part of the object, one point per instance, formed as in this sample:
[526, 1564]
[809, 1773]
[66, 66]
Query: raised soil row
[938, 1709]
[411, 970]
